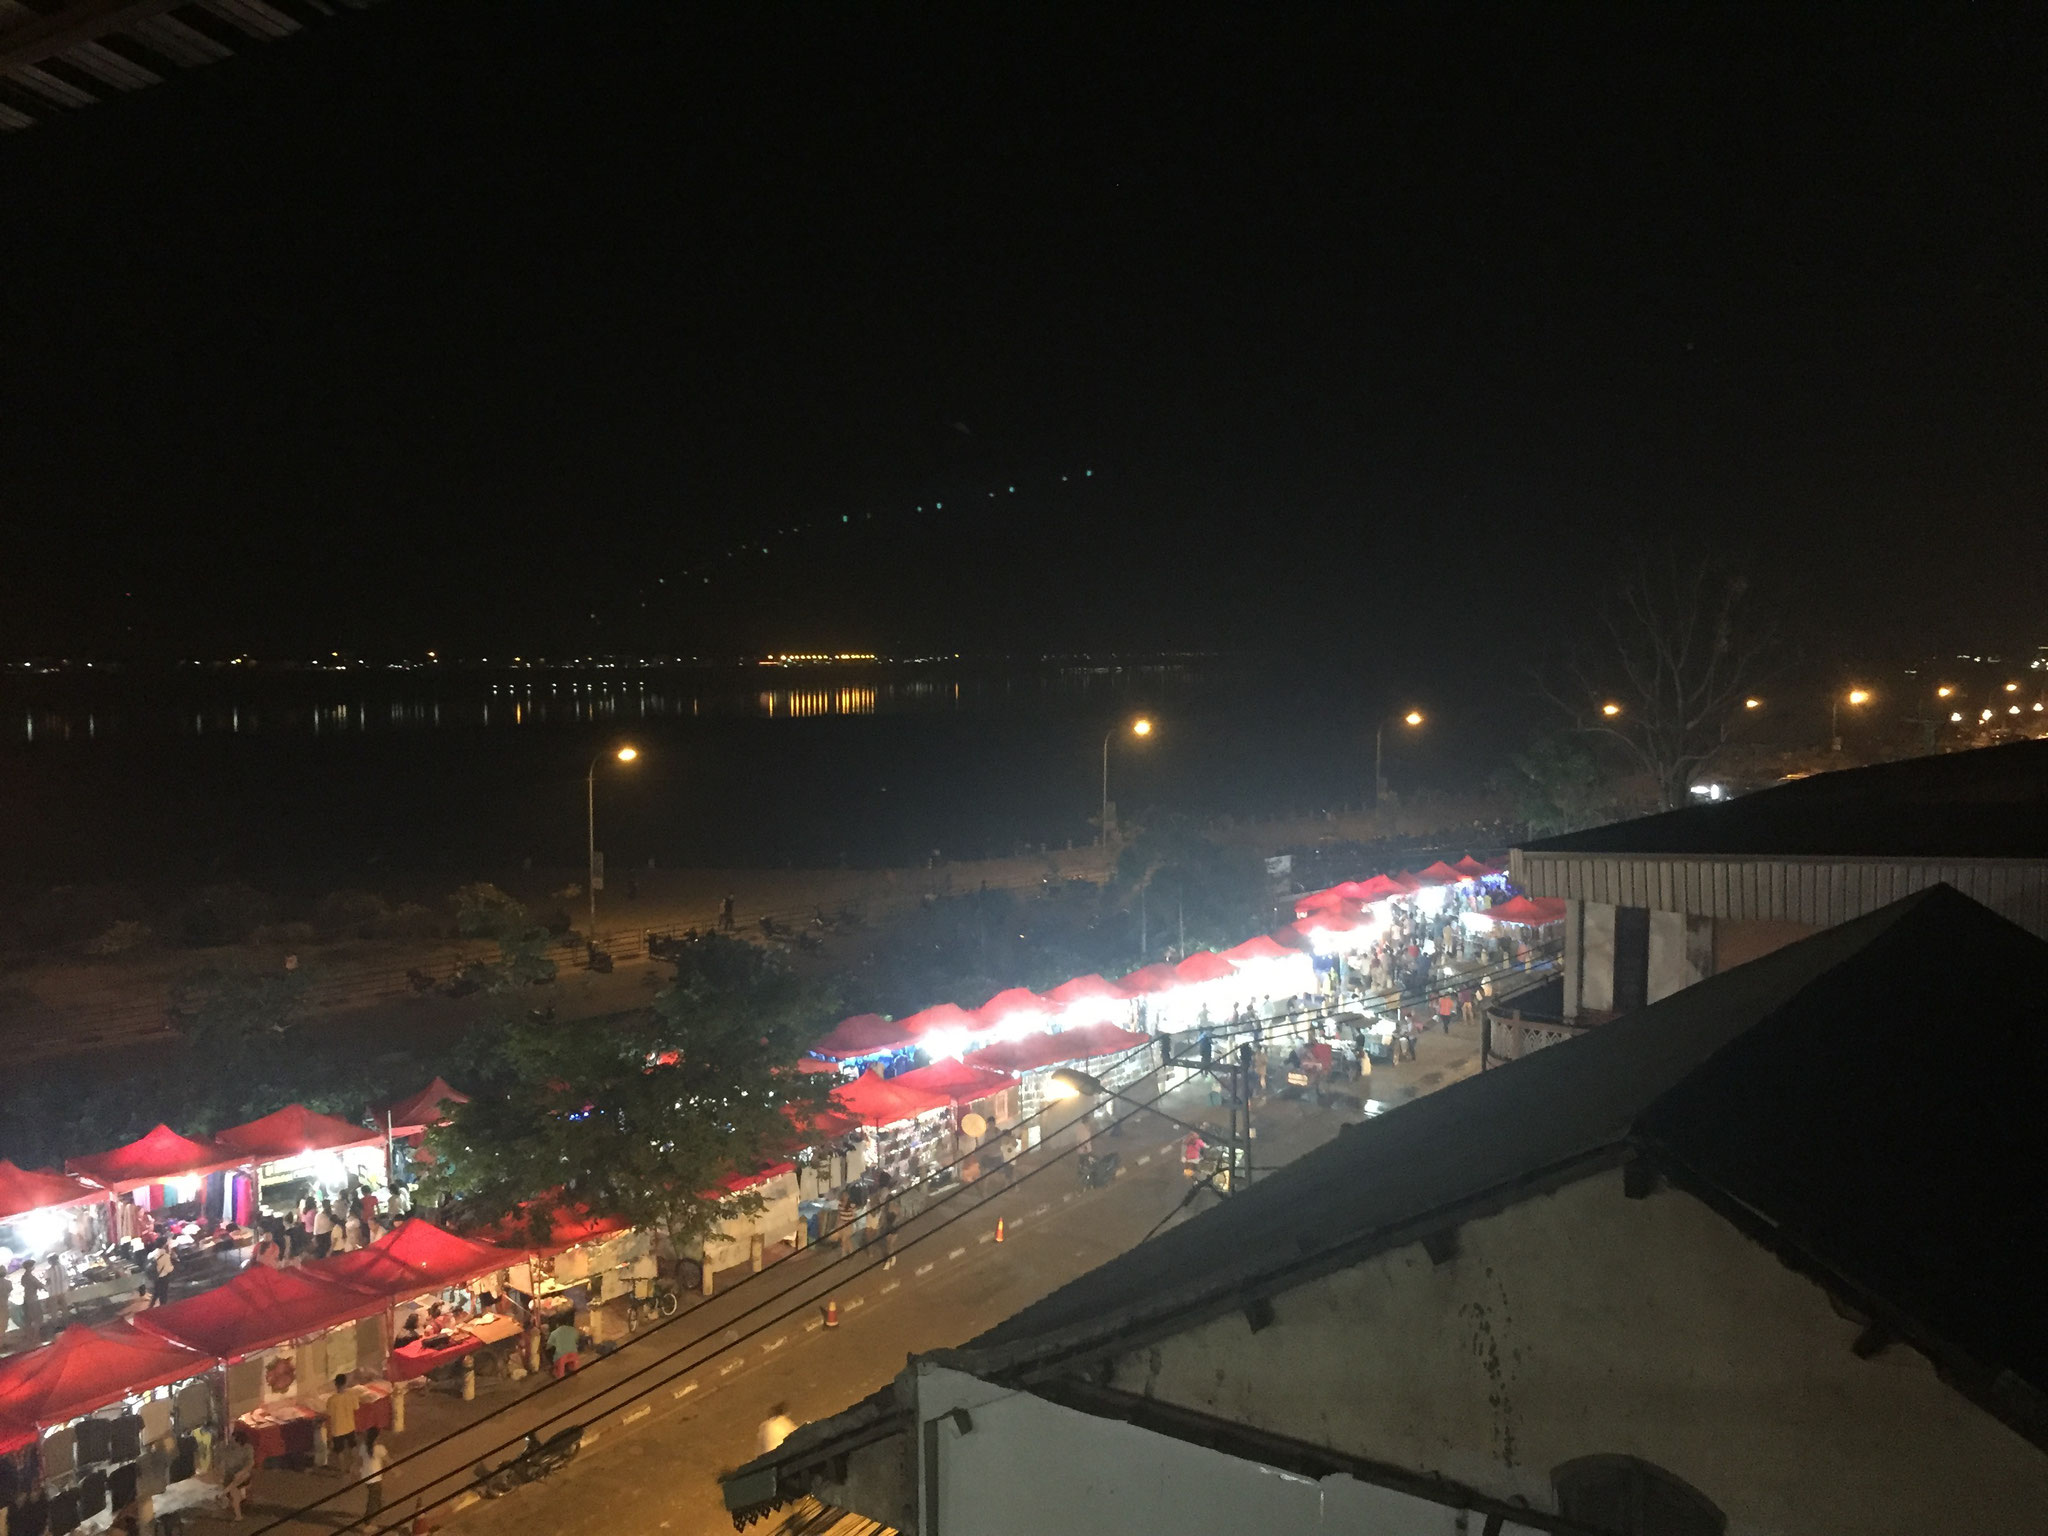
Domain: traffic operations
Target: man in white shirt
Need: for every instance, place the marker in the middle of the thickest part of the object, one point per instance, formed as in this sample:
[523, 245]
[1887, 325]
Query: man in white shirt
[323, 1230]
[160, 1270]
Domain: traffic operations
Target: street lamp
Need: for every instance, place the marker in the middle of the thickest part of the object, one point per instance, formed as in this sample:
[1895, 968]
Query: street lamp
[1070, 1083]
[624, 755]
[1610, 710]
[1412, 719]
[1857, 697]
[1752, 703]
[1139, 727]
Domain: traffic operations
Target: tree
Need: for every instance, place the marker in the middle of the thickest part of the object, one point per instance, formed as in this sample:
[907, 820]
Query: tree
[482, 911]
[1665, 682]
[1214, 893]
[228, 1011]
[644, 1115]
[1558, 786]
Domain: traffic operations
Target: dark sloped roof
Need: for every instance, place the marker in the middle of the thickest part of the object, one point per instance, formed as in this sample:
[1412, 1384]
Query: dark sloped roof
[1869, 1095]
[1991, 803]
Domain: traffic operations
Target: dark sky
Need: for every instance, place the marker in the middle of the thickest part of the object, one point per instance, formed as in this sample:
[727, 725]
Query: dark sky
[480, 324]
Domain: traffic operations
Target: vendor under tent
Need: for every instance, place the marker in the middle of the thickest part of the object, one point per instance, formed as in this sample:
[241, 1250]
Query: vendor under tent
[1089, 999]
[39, 1208]
[865, 1034]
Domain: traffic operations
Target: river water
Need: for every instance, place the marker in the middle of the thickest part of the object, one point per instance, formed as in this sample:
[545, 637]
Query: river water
[191, 772]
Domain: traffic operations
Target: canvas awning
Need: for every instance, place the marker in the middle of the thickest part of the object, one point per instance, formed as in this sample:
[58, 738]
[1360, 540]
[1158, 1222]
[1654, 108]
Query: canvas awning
[1085, 989]
[1052, 1048]
[1204, 965]
[1158, 977]
[960, 1082]
[1472, 869]
[292, 1132]
[865, 1034]
[1441, 873]
[567, 1226]
[161, 1154]
[258, 1308]
[1527, 912]
[1264, 947]
[428, 1107]
[942, 1018]
[875, 1100]
[41, 1189]
[84, 1369]
[1012, 1006]
[415, 1256]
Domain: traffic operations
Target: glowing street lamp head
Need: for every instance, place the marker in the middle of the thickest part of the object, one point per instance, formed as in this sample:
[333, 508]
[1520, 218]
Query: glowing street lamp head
[1943, 691]
[627, 754]
[1141, 727]
[2012, 687]
[1413, 717]
[1610, 710]
[1752, 703]
[1858, 696]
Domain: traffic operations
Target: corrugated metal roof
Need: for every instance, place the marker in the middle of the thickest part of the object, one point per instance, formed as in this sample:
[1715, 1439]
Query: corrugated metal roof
[66, 54]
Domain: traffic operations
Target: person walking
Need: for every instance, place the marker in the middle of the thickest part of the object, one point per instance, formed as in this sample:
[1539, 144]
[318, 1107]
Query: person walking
[775, 1429]
[370, 1464]
[56, 1291]
[323, 1230]
[161, 1267]
[237, 1470]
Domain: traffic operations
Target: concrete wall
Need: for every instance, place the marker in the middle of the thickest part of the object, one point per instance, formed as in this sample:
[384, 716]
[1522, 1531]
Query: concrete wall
[1595, 956]
[1585, 1323]
[1739, 940]
[1681, 952]
[1029, 1465]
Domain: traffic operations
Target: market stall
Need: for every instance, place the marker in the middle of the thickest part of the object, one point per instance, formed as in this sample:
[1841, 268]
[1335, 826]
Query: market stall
[297, 1152]
[1089, 999]
[1116, 1056]
[100, 1416]
[1013, 1012]
[866, 1037]
[406, 1124]
[45, 1220]
[187, 1191]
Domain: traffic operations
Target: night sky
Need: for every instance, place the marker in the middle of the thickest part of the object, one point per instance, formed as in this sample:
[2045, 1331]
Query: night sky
[491, 325]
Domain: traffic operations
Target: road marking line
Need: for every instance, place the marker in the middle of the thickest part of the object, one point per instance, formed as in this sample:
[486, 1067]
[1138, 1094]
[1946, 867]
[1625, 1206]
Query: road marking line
[474, 1498]
[956, 1253]
[893, 1285]
[1042, 1210]
[986, 1237]
[1016, 1222]
[1065, 1198]
[637, 1414]
[730, 1366]
[1121, 1172]
[1166, 1149]
[775, 1344]
[814, 1325]
[1145, 1159]
[924, 1269]
[685, 1390]
[590, 1437]
[858, 1301]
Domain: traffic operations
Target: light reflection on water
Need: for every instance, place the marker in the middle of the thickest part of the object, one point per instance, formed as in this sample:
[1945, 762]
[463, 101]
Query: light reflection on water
[545, 705]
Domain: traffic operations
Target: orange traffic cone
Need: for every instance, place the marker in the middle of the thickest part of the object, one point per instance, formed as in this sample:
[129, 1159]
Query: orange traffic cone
[999, 1229]
[832, 1314]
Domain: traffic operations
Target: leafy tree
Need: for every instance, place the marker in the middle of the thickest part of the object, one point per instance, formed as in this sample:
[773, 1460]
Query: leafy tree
[482, 911]
[227, 1010]
[1217, 894]
[644, 1115]
[1559, 786]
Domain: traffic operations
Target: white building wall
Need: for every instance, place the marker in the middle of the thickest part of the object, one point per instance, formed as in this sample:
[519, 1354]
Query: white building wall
[1595, 956]
[1025, 1464]
[1585, 1323]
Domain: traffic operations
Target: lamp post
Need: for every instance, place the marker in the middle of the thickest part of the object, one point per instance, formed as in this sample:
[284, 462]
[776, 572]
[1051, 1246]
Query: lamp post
[1139, 727]
[624, 755]
[1857, 697]
[1411, 719]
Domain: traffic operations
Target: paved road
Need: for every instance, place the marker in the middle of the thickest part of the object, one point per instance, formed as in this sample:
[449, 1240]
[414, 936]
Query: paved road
[652, 1456]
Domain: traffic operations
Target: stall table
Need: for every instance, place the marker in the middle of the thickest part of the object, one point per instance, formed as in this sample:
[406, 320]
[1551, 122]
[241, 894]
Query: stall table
[411, 1360]
[287, 1428]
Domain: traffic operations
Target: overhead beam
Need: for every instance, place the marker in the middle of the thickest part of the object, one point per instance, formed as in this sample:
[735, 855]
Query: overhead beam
[83, 21]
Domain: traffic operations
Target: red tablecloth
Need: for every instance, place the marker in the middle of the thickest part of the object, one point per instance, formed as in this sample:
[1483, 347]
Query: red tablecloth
[293, 1436]
[410, 1360]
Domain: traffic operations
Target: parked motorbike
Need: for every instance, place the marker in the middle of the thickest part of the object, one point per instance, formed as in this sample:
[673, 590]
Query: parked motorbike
[536, 1460]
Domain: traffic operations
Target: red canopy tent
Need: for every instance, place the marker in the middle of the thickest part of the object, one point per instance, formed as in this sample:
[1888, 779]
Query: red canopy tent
[41, 1189]
[88, 1368]
[1525, 912]
[258, 1308]
[1380, 887]
[567, 1225]
[816, 1064]
[1335, 899]
[944, 1016]
[875, 1100]
[1441, 873]
[1158, 977]
[865, 1034]
[1086, 989]
[1052, 1048]
[960, 1082]
[1267, 946]
[1016, 1003]
[1204, 965]
[1472, 869]
[151, 1159]
[414, 1256]
[292, 1132]
[411, 1117]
